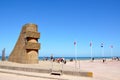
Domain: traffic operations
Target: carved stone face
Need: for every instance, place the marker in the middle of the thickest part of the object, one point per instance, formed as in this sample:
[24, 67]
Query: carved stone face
[27, 46]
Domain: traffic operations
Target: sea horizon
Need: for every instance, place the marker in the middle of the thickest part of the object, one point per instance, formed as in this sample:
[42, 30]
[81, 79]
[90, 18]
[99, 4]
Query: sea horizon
[68, 58]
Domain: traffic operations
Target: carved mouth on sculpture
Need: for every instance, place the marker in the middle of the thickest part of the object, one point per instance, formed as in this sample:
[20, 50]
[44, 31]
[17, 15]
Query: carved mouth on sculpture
[33, 40]
[32, 54]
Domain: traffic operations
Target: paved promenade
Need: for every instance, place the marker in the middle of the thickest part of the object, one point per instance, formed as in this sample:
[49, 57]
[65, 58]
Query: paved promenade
[110, 70]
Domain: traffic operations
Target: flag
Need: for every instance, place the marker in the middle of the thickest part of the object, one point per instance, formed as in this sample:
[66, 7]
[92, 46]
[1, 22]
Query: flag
[111, 46]
[74, 43]
[90, 44]
[101, 44]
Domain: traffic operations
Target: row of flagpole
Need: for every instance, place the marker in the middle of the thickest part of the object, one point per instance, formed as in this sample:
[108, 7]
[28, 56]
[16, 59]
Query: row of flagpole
[102, 51]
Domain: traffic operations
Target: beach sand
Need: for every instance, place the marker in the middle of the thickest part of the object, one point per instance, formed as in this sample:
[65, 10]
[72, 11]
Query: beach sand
[110, 70]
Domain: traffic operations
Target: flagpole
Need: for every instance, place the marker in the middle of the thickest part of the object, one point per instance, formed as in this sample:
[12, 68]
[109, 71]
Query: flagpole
[102, 50]
[51, 62]
[111, 51]
[91, 52]
[75, 55]
[75, 58]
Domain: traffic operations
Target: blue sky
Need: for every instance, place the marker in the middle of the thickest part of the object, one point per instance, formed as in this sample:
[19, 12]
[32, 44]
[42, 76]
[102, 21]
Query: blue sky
[61, 22]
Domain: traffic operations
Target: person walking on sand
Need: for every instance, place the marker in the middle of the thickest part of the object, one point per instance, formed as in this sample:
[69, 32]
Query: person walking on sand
[104, 60]
[51, 57]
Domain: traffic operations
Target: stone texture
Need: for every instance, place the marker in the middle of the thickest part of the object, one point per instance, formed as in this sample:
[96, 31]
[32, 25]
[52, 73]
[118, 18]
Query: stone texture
[27, 46]
[3, 55]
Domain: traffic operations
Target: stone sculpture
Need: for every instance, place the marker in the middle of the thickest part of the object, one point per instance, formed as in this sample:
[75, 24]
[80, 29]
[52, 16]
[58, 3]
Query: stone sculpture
[27, 46]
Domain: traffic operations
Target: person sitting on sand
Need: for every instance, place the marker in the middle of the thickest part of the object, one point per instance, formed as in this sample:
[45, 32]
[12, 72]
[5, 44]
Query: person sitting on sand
[71, 60]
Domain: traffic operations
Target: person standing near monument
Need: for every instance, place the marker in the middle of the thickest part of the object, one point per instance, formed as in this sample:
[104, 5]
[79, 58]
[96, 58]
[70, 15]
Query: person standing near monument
[51, 57]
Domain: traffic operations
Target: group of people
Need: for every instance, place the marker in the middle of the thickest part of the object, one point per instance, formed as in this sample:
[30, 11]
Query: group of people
[115, 58]
[104, 59]
[62, 60]
[59, 60]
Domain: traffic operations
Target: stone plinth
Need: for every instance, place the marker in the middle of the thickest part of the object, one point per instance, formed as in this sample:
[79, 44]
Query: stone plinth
[27, 46]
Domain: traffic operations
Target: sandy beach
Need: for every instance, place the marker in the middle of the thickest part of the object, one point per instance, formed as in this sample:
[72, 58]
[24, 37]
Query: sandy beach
[110, 70]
